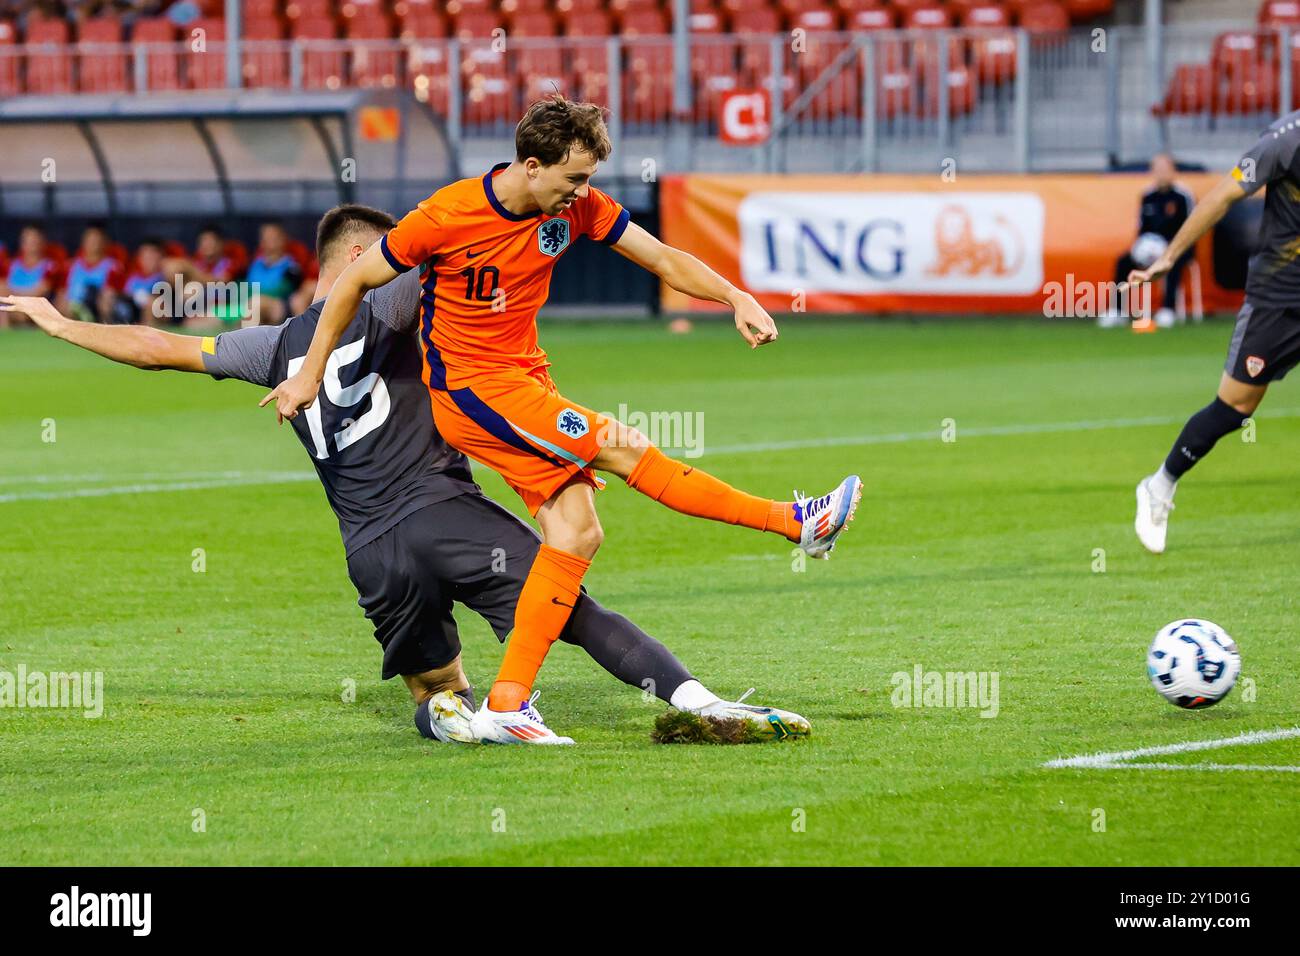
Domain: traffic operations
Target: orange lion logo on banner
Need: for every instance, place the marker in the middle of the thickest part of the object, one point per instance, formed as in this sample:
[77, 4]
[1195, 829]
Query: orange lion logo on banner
[960, 253]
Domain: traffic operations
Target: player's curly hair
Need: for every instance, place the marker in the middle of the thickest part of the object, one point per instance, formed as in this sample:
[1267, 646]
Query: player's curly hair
[348, 221]
[553, 125]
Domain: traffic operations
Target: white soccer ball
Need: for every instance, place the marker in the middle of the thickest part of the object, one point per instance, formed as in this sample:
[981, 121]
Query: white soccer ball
[1147, 248]
[1193, 663]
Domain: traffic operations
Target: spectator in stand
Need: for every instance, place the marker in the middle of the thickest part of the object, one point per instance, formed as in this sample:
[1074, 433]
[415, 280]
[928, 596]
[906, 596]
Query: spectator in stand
[93, 271]
[210, 262]
[32, 271]
[274, 275]
[146, 296]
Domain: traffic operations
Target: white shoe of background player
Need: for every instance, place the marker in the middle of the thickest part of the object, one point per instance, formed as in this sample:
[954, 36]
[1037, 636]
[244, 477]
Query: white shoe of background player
[769, 721]
[522, 726]
[1152, 521]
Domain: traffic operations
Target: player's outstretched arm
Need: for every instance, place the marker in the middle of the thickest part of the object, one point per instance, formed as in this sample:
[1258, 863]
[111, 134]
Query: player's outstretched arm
[136, 345]
[1204, 215]
[687, 274]
[368, 271]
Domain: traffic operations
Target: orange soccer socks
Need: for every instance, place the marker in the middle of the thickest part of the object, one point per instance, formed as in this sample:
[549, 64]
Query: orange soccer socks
[550, 591]
[697, 493]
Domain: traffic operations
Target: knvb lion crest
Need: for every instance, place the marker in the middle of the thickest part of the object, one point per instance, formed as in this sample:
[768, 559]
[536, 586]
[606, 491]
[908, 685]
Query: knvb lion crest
[571, 423]
[553, 237]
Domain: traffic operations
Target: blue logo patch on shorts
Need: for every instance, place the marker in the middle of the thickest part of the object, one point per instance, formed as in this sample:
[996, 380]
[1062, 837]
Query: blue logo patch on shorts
[553, 236]
[571, 423]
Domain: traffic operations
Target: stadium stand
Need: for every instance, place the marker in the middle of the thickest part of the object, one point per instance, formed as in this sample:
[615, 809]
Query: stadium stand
[337, 44]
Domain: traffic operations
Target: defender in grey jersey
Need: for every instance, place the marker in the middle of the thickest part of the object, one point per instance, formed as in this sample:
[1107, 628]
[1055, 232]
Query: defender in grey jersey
[1266, 341]
[418, 533]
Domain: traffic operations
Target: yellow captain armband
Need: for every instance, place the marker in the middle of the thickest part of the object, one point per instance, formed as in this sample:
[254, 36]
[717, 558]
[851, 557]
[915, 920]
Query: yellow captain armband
[208, 345]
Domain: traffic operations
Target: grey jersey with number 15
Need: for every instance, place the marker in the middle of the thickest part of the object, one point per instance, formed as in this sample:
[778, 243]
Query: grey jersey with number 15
[370, 432]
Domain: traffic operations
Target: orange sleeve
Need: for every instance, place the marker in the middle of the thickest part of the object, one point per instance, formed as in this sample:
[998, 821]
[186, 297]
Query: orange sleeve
[604, 219]
[414, 239]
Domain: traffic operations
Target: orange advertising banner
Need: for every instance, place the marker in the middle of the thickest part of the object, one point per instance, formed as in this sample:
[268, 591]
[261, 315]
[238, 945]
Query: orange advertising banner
[891, 243]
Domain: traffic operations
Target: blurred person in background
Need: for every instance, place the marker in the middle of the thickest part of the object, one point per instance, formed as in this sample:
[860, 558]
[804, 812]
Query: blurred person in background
[141, 301]
[91, 272]
[1165, 207]
[31, 272]
[275, 275]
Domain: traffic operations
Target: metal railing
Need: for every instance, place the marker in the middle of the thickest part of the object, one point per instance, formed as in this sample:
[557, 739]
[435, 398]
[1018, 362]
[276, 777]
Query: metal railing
[996, 99]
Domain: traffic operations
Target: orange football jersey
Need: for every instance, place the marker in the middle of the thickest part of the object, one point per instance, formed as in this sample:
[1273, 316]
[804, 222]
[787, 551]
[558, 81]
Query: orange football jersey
[486, 271]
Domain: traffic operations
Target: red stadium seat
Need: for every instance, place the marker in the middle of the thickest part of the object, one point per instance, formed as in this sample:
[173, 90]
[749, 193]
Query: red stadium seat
[422, 25]
[264, 66]
[706, 17]
[323, 62]
[374, 11]
[1191, 90]
[1278, 13]
[8, 59]
[894, 93]
[295, 10]
[206, 68]
[262, 10]
[48, 70]
[961, 93]
[534, 25]
[1080, 10]
[1250, 90]
[477, 25]
[589, 23]
[927, 18]
[816, 18]
[994, 57]
[567, 8]
[426, 65]
[515, 8]
[1238, 51]
[644, 23]
[1044, 16]
[157, 35]
[377, 63]
[101, 71]
[756, 20]
[870, 18]
[985, 15]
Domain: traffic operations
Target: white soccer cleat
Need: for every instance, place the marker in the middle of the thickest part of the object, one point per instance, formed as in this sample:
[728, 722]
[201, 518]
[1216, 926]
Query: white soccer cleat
[522, 726]
[449, 718]
[778, 724]
[1152, 521]
[824, 518]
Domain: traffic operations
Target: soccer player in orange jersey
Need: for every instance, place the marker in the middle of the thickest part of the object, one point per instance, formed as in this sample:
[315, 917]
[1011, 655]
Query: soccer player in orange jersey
[485, 248]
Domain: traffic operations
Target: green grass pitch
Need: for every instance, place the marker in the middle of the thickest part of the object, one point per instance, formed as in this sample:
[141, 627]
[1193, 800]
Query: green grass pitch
[227, 739]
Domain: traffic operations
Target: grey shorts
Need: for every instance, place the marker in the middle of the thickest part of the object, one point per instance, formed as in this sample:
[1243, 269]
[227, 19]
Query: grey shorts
[1265, 344]
[467, 549]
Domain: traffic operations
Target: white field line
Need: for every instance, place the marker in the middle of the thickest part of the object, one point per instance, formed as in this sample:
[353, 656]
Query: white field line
[1124, 759]
[269, 478]
[1100, 424]
[232, 479]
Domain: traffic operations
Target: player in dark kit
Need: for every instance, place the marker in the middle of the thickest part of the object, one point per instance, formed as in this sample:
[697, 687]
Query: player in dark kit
[1266, 342]
[418, 532]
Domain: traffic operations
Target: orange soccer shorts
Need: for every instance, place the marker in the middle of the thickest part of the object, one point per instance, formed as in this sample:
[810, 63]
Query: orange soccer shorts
[520, 426]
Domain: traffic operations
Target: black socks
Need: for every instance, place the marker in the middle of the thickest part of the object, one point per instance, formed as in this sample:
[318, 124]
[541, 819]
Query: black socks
[1200, 434]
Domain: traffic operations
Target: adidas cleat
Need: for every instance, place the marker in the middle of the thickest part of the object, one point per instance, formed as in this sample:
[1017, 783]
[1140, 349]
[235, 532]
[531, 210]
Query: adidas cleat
[824, 518]
[522, 726]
